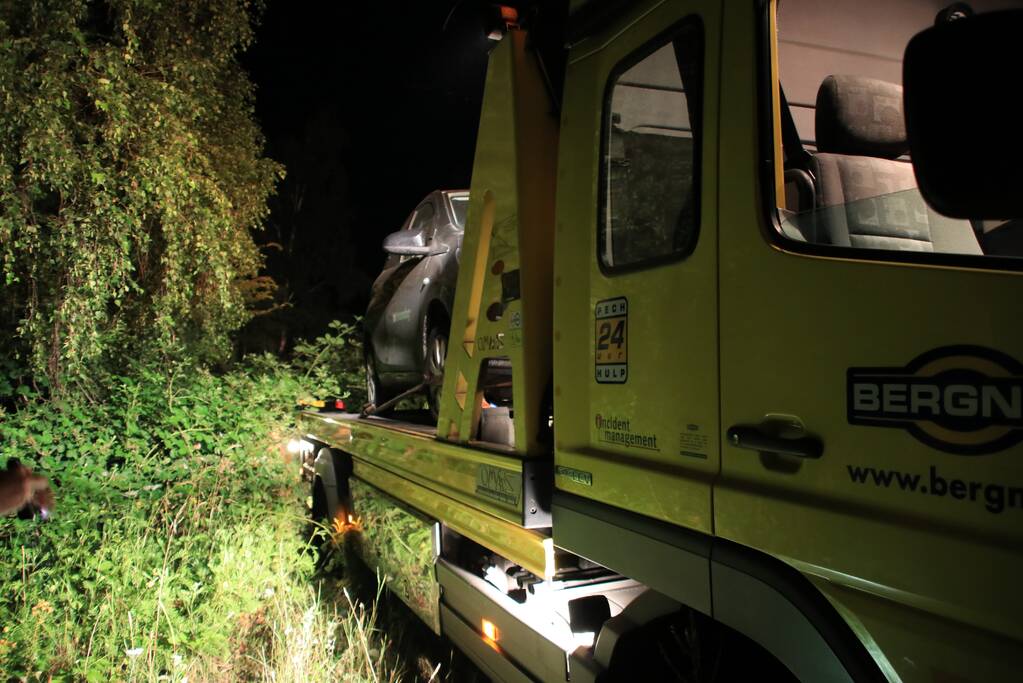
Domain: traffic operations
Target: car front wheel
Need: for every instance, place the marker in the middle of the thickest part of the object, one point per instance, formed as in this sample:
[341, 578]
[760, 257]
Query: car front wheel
[373, 394]
[436, 352]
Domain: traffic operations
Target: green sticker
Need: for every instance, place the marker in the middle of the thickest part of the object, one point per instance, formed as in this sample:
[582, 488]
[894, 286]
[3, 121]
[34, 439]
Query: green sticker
[578, 476]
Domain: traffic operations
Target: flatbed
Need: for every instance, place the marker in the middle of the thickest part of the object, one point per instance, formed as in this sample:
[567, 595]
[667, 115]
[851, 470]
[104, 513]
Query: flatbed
[490, 495]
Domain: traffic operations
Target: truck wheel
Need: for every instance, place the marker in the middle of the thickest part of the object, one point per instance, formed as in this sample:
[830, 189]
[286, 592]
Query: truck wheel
[319, 510]
[691, 648]
[436, 352]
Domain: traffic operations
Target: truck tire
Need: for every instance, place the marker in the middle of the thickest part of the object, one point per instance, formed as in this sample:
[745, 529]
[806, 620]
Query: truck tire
[689, 647]
[318, 513]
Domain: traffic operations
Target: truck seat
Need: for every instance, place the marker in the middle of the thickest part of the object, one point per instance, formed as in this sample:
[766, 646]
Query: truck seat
[864, 196]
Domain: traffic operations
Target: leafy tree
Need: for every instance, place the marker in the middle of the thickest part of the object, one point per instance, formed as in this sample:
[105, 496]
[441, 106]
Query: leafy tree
[131, 178]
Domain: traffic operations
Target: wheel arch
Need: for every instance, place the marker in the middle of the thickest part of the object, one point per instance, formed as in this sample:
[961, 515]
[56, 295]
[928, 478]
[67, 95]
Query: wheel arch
[779, 608]
[758, 595]
[436, 311]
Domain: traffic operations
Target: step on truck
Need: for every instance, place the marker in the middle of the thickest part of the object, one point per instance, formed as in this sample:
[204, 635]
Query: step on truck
[754, 268]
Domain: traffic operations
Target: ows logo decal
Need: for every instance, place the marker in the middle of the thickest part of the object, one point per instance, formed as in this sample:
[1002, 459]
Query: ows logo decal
[958, 399]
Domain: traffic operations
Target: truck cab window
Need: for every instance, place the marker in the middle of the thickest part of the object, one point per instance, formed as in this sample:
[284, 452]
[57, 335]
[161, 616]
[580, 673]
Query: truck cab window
[848, 178]
[650, 179]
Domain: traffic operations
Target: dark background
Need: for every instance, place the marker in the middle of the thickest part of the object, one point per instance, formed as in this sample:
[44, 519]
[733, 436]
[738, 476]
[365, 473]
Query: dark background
[369, 106]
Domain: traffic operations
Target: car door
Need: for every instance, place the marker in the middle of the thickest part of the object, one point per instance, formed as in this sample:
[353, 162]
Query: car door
[635, 277]
[398, 339]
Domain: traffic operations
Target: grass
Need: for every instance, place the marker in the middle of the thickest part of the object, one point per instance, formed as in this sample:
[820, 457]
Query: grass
[179, 547]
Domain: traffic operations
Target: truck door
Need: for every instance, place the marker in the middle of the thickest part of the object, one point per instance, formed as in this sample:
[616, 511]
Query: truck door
[871, 364]
[635, 289]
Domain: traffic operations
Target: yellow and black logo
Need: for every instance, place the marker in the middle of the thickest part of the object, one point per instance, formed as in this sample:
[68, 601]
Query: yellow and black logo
[959, 399]
[610, 341]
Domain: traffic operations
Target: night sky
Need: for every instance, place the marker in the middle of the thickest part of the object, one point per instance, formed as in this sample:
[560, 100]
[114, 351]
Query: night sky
[370, 106]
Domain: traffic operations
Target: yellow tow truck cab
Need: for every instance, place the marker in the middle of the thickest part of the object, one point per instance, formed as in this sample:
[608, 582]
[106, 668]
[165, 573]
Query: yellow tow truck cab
[766, 403]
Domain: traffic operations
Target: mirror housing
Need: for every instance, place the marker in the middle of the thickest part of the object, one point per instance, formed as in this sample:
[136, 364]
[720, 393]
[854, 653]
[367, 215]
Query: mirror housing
[965, 135]
[411, 243]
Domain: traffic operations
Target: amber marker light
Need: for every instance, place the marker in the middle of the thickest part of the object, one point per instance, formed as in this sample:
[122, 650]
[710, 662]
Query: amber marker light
[343, 523]
[490, 631]
[509, 15]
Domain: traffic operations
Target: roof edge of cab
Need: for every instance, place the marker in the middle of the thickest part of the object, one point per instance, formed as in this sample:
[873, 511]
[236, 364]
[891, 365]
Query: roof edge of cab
[587, 17]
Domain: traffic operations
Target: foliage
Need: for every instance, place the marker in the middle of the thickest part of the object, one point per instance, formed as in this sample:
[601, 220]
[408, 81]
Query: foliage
[176, 548]
[333, 363]
[130, 181]
[331, 640]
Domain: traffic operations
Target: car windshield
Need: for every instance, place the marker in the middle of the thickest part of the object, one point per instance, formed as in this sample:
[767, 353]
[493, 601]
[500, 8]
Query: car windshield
[459, 207]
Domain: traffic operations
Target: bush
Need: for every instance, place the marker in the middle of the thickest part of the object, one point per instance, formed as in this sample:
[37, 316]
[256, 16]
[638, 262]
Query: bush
[333, 363]
[130, 179]
[176, 547]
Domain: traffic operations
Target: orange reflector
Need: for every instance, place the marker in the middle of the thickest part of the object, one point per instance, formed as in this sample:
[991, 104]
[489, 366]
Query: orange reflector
[510, 15]
[490, 631]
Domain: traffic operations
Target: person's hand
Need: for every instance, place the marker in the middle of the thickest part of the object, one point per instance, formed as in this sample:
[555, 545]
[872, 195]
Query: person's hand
[42, 497]
[18, 486]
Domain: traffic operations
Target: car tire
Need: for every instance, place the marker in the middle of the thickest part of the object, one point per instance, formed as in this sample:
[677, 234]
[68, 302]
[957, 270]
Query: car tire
[374, 392]
[433, 365]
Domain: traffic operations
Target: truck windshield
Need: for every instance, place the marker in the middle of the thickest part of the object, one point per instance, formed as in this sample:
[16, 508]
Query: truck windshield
[459, 207]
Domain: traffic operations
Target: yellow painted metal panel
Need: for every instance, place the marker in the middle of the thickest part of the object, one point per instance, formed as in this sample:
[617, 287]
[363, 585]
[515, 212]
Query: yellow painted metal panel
[929, 646]
[486, 481]
[503, 302]
[650, 444]
[532, 551]
[442, 480]
[398, 543]
[779, 173]
[929, 575]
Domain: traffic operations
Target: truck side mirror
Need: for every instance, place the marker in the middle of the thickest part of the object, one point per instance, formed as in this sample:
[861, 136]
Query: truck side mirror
[965, 136]
[411, 243]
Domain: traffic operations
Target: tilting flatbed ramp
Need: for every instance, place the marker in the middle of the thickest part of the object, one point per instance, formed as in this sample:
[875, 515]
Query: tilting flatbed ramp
[487, 496]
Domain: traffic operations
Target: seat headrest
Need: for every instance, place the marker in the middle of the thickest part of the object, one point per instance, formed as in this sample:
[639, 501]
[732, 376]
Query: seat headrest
[860, 116]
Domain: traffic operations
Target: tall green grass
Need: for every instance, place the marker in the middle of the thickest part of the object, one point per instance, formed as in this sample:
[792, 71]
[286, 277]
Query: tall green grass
[178, 550]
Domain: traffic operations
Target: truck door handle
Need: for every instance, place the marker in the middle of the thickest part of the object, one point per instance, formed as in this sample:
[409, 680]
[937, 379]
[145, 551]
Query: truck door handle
[746, 436]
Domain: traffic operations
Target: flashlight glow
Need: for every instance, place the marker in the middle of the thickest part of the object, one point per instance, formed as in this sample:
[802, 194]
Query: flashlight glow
[302, 446]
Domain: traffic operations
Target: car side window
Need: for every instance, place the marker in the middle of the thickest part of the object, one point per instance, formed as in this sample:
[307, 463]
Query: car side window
[651, 139]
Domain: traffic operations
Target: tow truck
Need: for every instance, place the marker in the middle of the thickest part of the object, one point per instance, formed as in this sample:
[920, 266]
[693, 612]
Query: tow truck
[765, 405]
